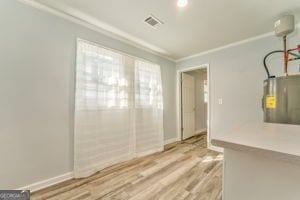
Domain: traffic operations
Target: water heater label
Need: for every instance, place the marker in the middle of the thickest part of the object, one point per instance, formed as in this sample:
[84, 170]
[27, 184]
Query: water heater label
[271, 101]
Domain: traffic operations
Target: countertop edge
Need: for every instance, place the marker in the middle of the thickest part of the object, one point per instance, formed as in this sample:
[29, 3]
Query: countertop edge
[257, 150]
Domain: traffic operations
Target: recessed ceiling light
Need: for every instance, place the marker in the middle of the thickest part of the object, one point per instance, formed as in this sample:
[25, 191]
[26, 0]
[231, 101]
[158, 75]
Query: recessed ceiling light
[182, 3]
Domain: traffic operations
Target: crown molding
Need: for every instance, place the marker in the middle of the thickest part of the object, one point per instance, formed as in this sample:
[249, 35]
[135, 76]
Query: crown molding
[229, 45]
[92, 23]
[224, 47]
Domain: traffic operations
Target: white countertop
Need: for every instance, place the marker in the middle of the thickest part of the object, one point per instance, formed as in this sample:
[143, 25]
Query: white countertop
[273, 140]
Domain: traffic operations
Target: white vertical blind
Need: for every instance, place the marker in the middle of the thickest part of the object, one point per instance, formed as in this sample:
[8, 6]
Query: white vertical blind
[118, 108]
[149, 107]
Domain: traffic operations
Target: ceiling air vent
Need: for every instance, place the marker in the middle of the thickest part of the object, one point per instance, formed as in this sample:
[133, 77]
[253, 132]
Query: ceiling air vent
[152, 21]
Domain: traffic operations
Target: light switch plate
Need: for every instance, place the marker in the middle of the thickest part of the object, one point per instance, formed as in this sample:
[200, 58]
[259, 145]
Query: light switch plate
[220, 101]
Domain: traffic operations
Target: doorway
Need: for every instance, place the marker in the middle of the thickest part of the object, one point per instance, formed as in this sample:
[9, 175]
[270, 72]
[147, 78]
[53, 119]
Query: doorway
[193, 102]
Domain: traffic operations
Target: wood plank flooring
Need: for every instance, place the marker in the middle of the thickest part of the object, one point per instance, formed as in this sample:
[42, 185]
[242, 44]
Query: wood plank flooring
[182, 171]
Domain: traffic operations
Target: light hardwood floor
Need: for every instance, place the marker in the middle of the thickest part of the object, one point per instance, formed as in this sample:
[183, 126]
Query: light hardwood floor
[182, 171]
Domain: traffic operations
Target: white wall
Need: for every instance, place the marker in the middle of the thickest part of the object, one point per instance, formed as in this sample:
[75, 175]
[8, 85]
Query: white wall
[236, 76]
[37, 75]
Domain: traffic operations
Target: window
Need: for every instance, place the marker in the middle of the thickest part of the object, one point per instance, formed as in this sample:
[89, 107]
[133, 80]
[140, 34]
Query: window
[102, 79]
[148, 89]
[118, 108]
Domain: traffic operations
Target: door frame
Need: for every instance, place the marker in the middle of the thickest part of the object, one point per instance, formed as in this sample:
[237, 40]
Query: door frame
[179, 98]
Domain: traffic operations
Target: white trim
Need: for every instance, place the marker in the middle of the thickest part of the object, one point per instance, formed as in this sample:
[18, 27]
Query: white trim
[70, 175]
[149, 152]
[229, 45]
[169, 141]
[92, 23]
[201, 131]
[178, 111]
[47, 183]
[214, 148]
[225, 47]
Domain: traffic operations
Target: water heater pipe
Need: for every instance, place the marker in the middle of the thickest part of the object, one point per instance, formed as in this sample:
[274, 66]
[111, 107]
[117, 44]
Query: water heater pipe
[286, 56]
[296, 57]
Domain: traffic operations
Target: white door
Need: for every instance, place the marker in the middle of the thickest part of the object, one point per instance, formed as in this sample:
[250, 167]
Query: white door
[188, 105]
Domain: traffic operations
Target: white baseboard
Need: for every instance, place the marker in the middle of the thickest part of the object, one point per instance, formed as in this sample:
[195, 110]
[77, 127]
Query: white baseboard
[49, 182]
[169, 141]
[146, 153]
[201, 130]
[214, 148]
[67, 176]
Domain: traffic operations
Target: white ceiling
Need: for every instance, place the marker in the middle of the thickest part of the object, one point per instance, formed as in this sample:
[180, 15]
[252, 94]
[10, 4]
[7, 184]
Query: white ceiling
[201, 26]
